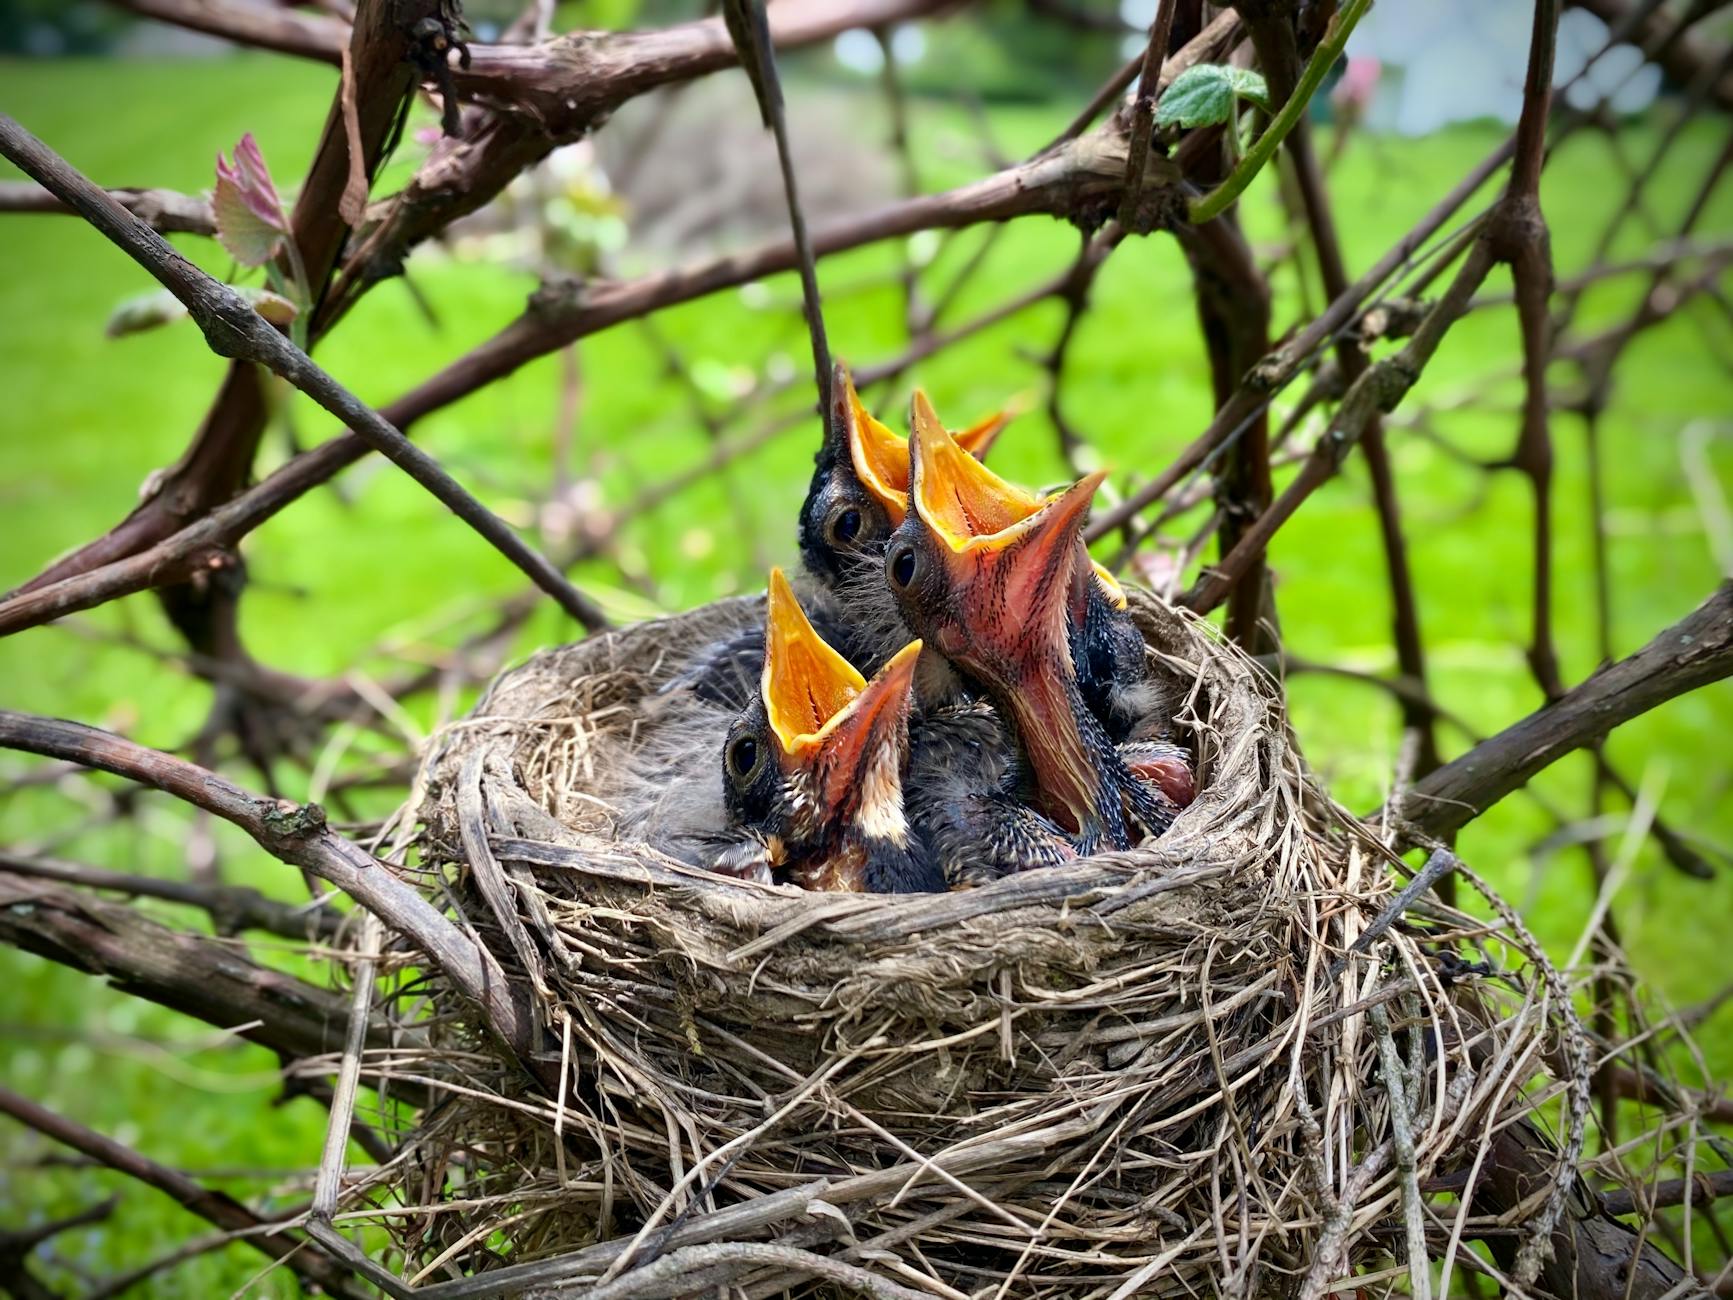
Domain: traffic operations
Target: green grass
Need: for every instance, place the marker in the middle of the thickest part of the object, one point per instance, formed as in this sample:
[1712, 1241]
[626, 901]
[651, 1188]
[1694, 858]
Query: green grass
[86, 420]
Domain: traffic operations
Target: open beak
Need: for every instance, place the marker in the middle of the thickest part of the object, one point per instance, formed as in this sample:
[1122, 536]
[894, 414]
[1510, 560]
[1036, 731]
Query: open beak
[849, 734]
[962, 500]
[880, 458]
[806, 683]
[1016, 587]
[979, 437]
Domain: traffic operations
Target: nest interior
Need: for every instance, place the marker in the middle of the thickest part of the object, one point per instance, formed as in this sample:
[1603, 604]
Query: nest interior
[1162, 1071]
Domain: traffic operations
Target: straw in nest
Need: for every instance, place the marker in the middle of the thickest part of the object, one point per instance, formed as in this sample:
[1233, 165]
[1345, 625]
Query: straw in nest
[1196, 1067]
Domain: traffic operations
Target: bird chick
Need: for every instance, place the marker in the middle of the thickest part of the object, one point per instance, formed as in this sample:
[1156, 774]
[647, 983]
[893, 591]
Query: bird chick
[813, 770]
[1108, 652]
[859, 493]
[1006, 595]
[962, 798]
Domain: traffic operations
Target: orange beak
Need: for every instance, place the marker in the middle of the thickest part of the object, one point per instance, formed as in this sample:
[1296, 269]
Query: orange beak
[1016, 585]
[847, 733]
[961, 498]
[979, 437]
[881, 458]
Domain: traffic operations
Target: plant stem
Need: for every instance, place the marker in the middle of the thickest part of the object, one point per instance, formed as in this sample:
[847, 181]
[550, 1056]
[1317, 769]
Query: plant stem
[1323, 59]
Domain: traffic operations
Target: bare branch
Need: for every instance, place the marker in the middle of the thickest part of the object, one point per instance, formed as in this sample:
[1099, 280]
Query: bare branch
[1276, 370]
[234, 329]
[167, 211]
[213, 1206]
[296, 835]
[267, 27]
[749, 29]
[1143, 111]
[204, 978]
[1681, 54]
[1694, 652]
[232, 908]
[1378, 390]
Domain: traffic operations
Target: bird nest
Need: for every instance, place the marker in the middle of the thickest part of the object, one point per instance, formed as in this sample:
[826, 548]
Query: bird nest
[1211, 1064]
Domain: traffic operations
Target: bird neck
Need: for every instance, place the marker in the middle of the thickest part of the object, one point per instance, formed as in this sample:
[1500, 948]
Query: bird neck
[1062, 745]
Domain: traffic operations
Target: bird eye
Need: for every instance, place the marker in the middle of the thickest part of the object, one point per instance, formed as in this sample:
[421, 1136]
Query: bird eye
[845, 525]
[900, 565]
[744, 755]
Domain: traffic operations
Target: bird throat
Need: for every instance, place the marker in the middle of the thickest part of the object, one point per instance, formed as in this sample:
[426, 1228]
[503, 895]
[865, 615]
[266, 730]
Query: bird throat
[1053, 729]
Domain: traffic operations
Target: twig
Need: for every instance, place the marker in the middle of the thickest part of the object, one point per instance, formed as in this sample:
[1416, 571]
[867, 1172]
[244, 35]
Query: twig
[288, 31]
[1143, 113]
[18, 1244]
[1352, 360]
[328, 1187]
[1440, 864]
[233, 329]
[1378, 390]
[189, 973]
[214, 1206]
[1706, 1187]
[651, 1279]
[118, 1284]
[1693, 652]
[164, 210]
[1323, 58]
[1276, 370]
[232, 907]
[297, 835]
[1407, 1170]
[750, 30]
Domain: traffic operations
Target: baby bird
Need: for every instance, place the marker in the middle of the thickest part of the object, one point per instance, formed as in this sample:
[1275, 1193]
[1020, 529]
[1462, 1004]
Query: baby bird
[858, 493]
[1004, 595]
[813, 770]
[1107, 650]
[962, 798]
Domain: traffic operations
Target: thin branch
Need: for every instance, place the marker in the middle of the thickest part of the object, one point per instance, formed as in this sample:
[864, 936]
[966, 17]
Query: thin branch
[749, 28]
[168, 211]
[1694, 652]
[1110, 90]
[1704, 1187]
[265, 27]
[296, 835]
[1143, 112]
[17, 1245]
[232, 908]
[1082, 173]
[1276, 370]
[207, 979]
[1378, 390]
[556, 93]
[1682, 55]
[1518, 235]
[213, 1206]
[1323, 58]
[233, 329]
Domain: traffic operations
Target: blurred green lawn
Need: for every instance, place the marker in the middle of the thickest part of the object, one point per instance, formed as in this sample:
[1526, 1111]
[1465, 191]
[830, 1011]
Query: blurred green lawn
[85, 420]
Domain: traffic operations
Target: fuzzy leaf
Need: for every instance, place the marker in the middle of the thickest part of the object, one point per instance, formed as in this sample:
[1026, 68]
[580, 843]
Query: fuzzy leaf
[1204, 95]
[274, 307]
[146, 312]
[250, 220]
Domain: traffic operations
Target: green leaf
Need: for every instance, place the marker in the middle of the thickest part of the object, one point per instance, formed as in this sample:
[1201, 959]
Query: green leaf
[1251, 86]
[1204, 95]
[146, 312]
